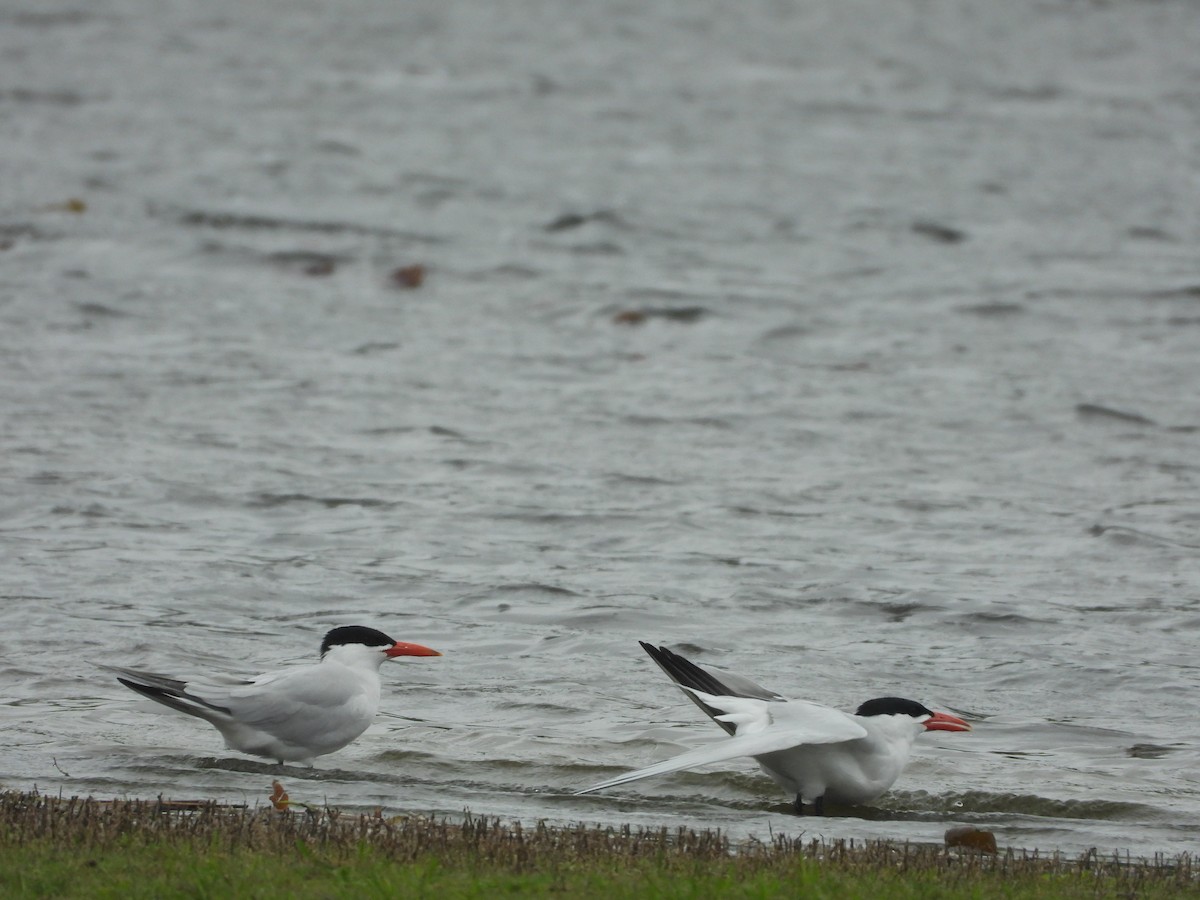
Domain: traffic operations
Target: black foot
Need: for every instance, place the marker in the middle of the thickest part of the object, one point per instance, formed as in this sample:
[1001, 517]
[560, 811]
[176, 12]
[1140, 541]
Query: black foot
[818, 806]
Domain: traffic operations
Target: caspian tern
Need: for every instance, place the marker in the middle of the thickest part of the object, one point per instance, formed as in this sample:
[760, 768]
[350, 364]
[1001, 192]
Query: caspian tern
[294, 714]
[811, 751]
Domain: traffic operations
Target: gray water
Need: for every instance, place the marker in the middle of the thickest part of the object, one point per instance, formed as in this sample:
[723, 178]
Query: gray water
[852, 346]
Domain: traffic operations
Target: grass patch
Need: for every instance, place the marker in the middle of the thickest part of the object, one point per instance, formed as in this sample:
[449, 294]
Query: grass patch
[131, 849]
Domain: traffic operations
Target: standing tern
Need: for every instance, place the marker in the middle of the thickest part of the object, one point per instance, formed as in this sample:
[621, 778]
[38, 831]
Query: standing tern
[811, 751]
[294, 714]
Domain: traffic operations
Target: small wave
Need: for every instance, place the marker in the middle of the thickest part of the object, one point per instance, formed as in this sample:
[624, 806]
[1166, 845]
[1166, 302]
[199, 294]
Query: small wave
[572, 220]
[992, 310]
[1096, 412]
[641, 481]
[1120, 534]
[1150, 751]
[532, 587]
[269, 500]
[1027, 805]
[643, 420]
[224, 220]
[237, 764]
[294, 772]
[638, 315]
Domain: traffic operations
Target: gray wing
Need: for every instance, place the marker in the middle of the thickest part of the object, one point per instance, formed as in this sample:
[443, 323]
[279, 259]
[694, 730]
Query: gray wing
[270, 700]
[762, 727]
[692, 678]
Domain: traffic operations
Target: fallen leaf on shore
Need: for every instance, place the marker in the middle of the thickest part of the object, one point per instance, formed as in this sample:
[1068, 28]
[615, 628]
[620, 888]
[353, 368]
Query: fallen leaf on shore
[971, 838]
[279, 797]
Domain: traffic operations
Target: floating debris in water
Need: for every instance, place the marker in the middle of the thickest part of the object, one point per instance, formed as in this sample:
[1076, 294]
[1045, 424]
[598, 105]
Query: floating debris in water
[408, 276]
[670, 313]
[71, 205]
[942, 233]
[568, 221]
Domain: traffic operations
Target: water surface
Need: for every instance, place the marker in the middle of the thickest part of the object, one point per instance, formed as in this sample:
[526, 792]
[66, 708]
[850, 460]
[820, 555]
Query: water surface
[850, 346]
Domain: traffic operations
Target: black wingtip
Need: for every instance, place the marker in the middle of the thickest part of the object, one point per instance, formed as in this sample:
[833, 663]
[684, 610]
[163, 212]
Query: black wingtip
[687, 674]
[158, 695]
[654, 652]
[177, 700]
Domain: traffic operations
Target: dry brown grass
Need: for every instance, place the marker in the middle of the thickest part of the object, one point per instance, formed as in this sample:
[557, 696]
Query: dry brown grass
[477, 844]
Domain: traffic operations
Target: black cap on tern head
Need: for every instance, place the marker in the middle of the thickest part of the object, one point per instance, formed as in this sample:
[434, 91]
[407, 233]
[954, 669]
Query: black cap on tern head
[893, 706]
[355, 634]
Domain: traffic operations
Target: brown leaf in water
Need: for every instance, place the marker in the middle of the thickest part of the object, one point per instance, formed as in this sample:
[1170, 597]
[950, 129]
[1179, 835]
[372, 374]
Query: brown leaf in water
[630, 317]
[71, 205]
[409, 276]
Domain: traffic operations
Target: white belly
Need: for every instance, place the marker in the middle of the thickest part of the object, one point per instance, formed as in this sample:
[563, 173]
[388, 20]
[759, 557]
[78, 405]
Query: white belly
[847, 772]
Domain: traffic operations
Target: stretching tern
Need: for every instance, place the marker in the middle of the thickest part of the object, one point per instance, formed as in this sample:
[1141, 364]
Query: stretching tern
[294, 714]
[811, 751]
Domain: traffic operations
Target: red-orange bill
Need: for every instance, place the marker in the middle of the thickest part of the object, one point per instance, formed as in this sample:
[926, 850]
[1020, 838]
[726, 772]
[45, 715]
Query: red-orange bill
[941, 721]
[400, 648]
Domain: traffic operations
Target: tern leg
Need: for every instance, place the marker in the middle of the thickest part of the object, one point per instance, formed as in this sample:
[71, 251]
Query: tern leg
[818, 805]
